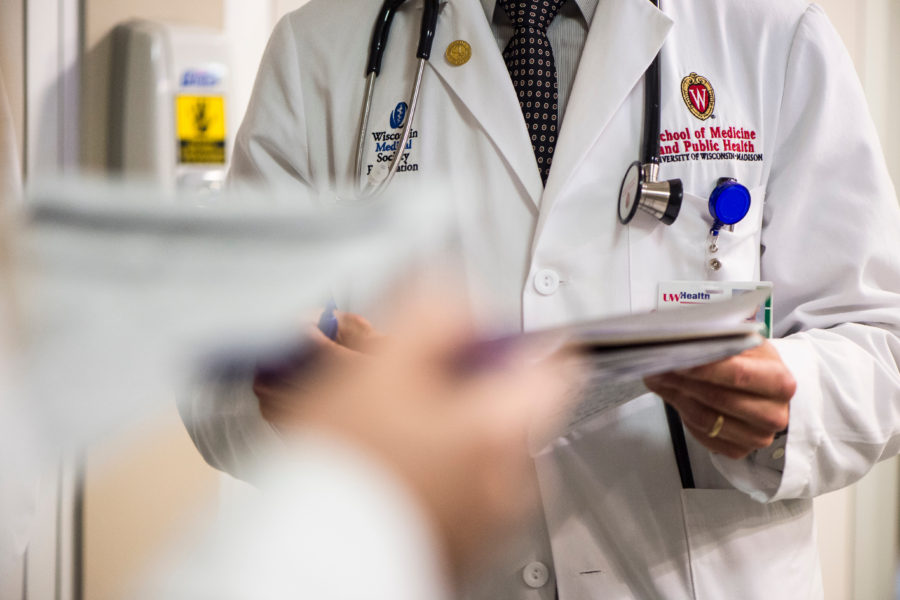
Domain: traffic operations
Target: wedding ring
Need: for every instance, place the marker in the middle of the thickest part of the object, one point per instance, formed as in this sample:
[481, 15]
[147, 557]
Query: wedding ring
[717, 426]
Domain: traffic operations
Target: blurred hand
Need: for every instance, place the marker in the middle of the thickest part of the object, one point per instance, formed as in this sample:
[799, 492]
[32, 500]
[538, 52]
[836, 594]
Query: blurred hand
[278, 393]
[454, 430]
[751, 392]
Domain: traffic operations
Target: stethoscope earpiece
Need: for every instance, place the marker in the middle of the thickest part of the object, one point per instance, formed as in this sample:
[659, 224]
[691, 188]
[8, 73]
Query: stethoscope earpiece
[641, 190]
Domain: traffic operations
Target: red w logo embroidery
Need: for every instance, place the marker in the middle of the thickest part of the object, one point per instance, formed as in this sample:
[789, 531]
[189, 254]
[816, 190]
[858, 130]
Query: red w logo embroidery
[670, 297]
[699, 97]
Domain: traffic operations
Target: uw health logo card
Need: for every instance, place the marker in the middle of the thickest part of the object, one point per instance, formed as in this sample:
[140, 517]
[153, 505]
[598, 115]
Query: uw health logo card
[680, 293]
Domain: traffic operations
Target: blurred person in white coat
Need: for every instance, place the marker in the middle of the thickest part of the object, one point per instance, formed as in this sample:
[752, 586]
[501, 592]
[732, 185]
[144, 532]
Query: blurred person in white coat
[400, 469]
[762, 92]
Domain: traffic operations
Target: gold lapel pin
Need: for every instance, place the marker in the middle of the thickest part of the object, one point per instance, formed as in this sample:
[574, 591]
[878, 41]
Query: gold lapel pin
[458, 53]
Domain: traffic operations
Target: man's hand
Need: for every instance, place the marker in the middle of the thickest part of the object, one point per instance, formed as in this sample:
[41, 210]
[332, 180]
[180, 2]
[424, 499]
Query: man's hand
[733, 406]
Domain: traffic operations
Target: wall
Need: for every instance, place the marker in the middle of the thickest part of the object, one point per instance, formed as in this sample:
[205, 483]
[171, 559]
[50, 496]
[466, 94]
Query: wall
[144, 487]
[868, 28]
[284, 6]
[248, 24]
[143, 484]
[858, 526]
[12, 62]
[880, 47]
[100, 16]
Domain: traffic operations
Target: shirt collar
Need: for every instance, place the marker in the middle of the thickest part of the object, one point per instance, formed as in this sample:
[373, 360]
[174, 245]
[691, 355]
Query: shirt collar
[587, 8]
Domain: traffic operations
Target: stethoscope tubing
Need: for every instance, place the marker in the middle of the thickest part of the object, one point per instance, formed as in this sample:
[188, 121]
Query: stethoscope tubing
[378, 180]
[652, 95]
[364, 120]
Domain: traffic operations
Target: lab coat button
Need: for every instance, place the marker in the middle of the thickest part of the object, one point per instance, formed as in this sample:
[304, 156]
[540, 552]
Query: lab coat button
[778, 454]
[536, 574]
[546, 282]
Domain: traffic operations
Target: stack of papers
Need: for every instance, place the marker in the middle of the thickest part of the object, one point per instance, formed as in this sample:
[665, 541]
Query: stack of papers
[127, 290]
[619, 352]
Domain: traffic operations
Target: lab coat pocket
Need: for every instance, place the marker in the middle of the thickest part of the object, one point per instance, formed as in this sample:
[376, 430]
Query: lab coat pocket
[681, 252]
[740, 548]
[735, 255]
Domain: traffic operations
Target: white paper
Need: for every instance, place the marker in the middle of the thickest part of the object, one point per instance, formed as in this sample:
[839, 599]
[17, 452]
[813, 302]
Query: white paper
[615, 376]
[733, 317]
[617, 353]
[125, 290]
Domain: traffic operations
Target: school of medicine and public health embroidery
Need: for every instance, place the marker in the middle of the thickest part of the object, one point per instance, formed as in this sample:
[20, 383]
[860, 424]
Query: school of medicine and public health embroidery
[708, 142]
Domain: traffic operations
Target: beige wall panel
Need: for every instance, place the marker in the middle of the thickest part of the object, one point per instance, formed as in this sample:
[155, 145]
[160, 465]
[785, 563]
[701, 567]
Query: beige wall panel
[876, 550]
[143, 489]
[848, 18]
[12, 62]
[858, 525]
[285, 6]
[145, 484]
[834, 520]
[868, 29]
[100, 16]
[887, 65]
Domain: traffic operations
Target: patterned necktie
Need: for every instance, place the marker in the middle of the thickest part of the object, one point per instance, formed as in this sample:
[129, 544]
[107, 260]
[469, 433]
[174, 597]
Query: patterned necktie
[529, 59]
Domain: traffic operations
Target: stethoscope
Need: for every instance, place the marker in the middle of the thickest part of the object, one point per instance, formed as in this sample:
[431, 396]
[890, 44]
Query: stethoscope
[641, 189]
[382, 174]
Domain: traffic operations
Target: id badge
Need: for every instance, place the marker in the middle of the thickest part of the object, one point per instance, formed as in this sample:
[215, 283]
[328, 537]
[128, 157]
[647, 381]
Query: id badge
[673, 294]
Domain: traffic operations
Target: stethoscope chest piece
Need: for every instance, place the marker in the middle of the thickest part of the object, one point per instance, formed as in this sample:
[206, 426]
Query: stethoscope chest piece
[641, 190]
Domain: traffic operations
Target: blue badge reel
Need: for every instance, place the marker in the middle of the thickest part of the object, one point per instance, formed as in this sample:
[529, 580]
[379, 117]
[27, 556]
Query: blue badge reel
[729, 203]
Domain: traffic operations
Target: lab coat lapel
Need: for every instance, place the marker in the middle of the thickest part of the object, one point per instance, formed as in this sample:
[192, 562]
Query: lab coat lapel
[624, 37]
[483, 85]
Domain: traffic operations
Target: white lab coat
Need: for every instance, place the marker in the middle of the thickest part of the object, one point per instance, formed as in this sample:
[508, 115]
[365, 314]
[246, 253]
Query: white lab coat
[823, 227]
[333, 524]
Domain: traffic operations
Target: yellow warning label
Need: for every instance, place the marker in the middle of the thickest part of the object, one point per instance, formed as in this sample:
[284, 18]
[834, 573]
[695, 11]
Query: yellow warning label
[200, 127]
